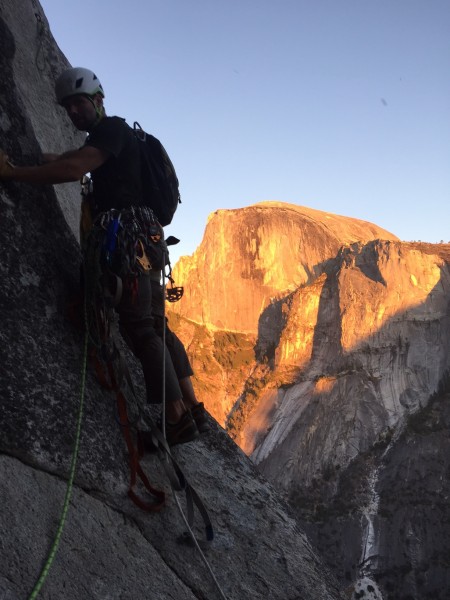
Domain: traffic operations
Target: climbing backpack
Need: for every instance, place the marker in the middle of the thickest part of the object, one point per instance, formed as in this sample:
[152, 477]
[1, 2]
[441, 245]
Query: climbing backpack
[160, 187]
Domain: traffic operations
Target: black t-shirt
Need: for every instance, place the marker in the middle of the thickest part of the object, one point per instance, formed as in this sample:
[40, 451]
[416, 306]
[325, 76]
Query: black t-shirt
[117, 182]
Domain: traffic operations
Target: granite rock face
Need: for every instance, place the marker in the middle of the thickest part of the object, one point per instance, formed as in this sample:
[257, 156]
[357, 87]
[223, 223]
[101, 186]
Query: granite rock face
[109, 548]
[251, 256]
[352, 344]
[369, 342]
[31, 62]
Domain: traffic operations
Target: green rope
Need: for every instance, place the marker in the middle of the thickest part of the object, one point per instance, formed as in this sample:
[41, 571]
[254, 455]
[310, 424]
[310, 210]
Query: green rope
[54, 548]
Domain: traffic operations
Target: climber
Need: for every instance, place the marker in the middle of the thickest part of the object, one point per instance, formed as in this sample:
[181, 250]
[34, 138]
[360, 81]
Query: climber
[110, 154]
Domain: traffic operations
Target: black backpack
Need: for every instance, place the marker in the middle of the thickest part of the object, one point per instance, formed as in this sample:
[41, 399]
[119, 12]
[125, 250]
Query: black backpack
[159, 180]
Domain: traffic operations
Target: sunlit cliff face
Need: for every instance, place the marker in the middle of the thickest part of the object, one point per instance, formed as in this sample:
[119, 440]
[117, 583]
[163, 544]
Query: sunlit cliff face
[331, 322]
[251, 257]
[397, 285]
[314, 339]
[374, 287]
[350, 339]
[295, 347]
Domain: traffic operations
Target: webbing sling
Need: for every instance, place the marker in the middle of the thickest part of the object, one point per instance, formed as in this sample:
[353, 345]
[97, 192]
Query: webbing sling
[119, 374]
[180, 483]
[133, 453]
[113, 382]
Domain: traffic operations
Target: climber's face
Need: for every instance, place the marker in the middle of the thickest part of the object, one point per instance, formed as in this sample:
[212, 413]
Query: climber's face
[82, 110]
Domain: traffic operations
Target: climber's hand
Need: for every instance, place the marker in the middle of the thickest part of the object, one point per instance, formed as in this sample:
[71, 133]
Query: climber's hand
[6, 167]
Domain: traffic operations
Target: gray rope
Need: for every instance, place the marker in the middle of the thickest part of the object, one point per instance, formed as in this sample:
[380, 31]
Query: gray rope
[183, 516]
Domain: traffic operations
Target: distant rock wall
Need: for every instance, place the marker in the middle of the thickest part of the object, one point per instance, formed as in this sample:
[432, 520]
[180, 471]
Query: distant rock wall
[369, 346]
[383, 523]
[350, 346]
[251, 256]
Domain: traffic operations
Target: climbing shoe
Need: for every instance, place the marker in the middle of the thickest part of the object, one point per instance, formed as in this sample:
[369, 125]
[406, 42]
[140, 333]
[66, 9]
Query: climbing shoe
[200, 417]
[184, 431]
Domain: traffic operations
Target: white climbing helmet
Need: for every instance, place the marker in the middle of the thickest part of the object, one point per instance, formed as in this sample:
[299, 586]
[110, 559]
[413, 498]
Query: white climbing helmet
[77, 81]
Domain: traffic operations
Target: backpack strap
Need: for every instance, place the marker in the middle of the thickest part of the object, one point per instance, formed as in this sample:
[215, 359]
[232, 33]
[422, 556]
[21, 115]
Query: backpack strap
[178, 480]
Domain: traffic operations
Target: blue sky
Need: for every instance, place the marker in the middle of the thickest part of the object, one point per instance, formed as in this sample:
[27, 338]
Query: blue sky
[338, 105]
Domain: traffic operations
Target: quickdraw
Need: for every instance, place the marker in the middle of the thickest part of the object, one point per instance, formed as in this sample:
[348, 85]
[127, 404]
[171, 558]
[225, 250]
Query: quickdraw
[142, 258]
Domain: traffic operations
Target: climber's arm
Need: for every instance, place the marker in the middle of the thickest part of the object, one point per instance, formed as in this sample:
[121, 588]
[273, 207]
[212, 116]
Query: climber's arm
[70, 166]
